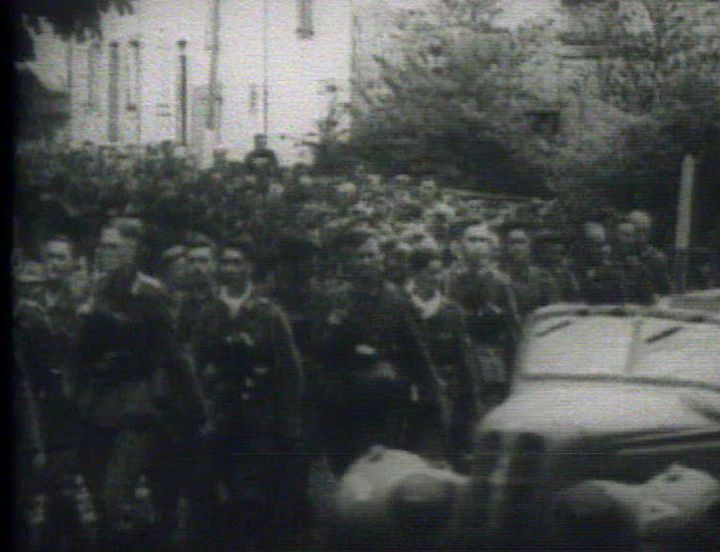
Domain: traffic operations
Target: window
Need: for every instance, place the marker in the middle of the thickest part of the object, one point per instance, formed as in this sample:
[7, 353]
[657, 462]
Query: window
[305, 29]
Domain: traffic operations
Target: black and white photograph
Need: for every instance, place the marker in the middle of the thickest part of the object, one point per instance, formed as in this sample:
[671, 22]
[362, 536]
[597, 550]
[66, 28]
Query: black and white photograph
[365, 275]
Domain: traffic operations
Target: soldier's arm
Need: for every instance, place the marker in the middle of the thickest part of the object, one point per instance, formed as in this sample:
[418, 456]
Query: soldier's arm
[30, 411]
[420, 363]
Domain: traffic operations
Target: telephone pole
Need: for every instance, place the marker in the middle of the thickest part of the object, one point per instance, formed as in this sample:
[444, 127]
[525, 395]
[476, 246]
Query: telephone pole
[214, 99]
[266, 54]
[182, 94]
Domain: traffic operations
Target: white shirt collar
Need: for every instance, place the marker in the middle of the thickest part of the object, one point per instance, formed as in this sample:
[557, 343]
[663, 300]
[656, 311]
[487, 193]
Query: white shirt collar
[234, 304]
[426, 308]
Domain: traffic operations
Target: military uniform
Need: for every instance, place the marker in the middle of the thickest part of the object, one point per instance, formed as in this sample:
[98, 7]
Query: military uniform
[131, 387]
[44, 337]
[656, 263]
[252, 373]
[492, 319]
[378, 386]
[440, 328]
[533, 286]
[636, 282]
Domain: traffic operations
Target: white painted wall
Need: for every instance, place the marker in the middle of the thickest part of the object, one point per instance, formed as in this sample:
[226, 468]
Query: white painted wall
[296, 68]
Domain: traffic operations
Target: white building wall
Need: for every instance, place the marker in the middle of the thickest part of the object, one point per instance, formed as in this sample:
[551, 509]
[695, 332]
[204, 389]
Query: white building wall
[296, 69]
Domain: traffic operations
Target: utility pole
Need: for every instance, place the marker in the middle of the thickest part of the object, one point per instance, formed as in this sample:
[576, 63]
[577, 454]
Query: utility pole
[113, 93]
[182, 93]
[266, 86]
[684, 223]
[93, 60]
[137, 103]
[214, 99]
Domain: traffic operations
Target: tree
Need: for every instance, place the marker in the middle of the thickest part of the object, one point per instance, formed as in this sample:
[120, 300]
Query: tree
[69, 18]
[657, 98]
[452, 98]
[332, 154]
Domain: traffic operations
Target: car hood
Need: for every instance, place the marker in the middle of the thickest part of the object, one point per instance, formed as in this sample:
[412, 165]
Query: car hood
[565, 411]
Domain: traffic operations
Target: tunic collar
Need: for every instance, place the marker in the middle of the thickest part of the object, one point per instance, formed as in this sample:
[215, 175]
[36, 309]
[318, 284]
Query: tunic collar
[235, 304]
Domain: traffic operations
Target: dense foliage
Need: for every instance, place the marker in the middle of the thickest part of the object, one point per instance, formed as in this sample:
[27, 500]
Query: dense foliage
[69, 18]
[656, 98]
[451, 99]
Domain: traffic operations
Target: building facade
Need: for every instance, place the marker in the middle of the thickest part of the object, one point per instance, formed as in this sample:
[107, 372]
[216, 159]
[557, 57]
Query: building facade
[276, 58]
[282, 63]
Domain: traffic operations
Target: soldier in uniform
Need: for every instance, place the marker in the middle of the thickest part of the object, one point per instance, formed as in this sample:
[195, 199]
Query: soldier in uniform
[30, 458]
[131, 387]
[47, 328]
[196, 286]
[487, 299]
[378, 387]
[638, 284]
[261, 161]
[533, 286]
[553, 257]
[439, 325]
[655, 260]
[252, 372]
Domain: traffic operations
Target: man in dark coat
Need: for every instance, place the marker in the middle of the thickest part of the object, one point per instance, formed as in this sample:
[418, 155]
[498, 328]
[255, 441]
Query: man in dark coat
[132, 385]
[261, 161]
[655, 260]
[252, 373]
[487, 298]
[438, 322]
[378, 386]
[533, 286]
[45, 334]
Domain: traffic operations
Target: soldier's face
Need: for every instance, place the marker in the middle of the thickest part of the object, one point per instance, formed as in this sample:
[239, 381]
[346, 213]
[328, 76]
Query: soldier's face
[234, 267]
[625, 235]
[200, 261]
[58, 260]
[477, 244]
[428, 190]
[368, 260]
[115, 250]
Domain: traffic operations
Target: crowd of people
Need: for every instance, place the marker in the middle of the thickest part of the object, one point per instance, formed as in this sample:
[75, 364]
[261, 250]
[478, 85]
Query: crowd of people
[188, 343]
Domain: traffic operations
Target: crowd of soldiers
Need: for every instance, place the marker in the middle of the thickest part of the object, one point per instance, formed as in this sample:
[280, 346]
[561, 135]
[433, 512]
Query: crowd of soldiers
[189, 343]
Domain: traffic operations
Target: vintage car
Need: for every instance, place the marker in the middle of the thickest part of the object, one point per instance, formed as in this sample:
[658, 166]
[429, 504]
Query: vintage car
[609, 440]
[611, 431]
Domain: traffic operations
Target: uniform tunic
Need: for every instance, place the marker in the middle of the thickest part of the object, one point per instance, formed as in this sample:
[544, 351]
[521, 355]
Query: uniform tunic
[252, 375]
